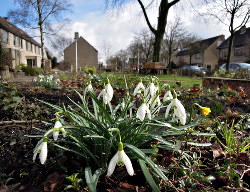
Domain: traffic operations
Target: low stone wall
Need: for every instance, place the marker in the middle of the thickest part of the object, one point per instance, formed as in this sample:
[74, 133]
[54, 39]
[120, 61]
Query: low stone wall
[234, 84]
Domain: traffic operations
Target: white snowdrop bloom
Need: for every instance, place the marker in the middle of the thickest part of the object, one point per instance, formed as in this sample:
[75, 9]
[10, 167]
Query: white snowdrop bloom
[152, 89]
[120, 159]
[156, 102]
[104, 96]
[139, 88]
[109, 92]
[168, 96]
[58, 124]
[179, 110]
[89, 88]
[42, 149]
[142, 111]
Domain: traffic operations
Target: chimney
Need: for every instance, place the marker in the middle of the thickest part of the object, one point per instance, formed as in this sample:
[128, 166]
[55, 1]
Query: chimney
[76, 35]
[243, 29]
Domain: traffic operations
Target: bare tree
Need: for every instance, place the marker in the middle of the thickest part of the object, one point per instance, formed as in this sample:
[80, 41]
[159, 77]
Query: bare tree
[59, 43]
[174, 36]
[144, 40]
[192, 45]
[159, 30]
[37, 14]
[232, 13]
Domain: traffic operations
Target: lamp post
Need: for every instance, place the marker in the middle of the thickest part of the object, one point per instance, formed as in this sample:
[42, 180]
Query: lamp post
[76, 38]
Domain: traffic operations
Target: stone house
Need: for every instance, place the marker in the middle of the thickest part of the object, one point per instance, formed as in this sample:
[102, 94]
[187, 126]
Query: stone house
[80, 54]
[241, 47]
[205, 54]
[21, 47]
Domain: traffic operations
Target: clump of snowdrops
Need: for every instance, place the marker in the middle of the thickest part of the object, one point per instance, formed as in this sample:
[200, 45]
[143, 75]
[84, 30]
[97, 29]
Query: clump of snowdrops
[47, 81]
[105, 135]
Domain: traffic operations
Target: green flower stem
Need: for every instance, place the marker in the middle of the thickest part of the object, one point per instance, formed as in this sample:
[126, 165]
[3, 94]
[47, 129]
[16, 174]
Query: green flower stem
[116, 130]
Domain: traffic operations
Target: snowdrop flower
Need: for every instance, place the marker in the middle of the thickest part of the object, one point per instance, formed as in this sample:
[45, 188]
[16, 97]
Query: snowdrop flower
[139, 88]
[179, 110]
[89, 88]
[152, 89]
[104, 96]
[35, 79]
[120, 159]
[143, 109]
[168, 96]
[42, 149]
[58, 125]
[156, 102]
[109, 91]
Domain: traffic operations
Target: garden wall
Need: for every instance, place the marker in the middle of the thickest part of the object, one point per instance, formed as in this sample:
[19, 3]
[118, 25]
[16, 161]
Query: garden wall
[235, 84]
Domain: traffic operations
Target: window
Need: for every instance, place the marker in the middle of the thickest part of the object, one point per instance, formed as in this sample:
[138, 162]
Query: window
[224, 53]
[31, 47]
[21, 42]
[14, 40]
[27, 45]
[5, 36]
[198, 55]
[238, 51]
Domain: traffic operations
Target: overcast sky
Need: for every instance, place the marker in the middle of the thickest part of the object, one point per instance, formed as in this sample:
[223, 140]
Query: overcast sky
[117, 27]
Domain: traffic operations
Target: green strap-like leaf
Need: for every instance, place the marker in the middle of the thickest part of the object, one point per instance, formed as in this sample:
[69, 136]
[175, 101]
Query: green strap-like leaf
[148, 177]
[92, 180]
[147, 160]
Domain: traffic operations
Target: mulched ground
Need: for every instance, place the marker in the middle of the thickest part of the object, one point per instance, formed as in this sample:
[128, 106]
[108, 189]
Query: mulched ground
[19, 173]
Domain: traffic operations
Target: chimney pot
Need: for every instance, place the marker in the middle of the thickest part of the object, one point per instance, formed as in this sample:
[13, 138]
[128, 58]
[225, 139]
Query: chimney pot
[76, 35]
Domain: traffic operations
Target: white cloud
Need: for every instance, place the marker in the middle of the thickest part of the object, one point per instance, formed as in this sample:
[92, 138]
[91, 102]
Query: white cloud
[118, 26]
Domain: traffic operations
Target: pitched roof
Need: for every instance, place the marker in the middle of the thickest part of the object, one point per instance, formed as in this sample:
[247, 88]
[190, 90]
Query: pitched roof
[203, 43]
[239, 39]
[10, 27]
[84, 40]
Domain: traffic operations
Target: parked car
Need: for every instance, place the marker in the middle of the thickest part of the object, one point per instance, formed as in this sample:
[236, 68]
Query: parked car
[193, 70]
[234, 67]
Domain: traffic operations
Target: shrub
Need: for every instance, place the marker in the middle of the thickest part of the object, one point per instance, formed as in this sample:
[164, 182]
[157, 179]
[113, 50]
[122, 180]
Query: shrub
[28, 70]
[89, 70]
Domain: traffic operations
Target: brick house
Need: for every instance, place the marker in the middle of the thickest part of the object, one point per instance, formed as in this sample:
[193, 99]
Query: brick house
[205, 54]
[86, 54]
[241, 47]
[21, 47]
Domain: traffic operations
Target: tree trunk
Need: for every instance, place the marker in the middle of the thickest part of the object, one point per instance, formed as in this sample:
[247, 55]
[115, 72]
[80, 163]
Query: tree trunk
[230, 46]
[157, 47]
[161, 25]
[40, 23]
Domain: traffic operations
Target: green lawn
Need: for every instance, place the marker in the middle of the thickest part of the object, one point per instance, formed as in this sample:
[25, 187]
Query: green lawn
[185, 81]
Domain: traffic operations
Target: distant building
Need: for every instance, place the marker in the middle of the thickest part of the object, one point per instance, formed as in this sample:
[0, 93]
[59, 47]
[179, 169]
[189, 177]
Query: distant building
[21, 48]
[205, 55]
[241, 47]
[80, 54]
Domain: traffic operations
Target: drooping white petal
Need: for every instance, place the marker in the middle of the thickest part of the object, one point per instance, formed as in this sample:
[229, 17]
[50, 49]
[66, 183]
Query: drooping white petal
[34, 156]
[112, 164]
[168, 96]
[43, 153]
[139, 88]
[58, 124]
[152, 89]
[63, 132]
[101, 94]
[179, 107]
[109, 92]
[125, 159]
[141, 112]
[179, 110]
[168, 109]
[55, 135]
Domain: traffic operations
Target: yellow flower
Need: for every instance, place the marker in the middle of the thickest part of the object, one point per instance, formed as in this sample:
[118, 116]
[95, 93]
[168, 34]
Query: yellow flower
[205, 110]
